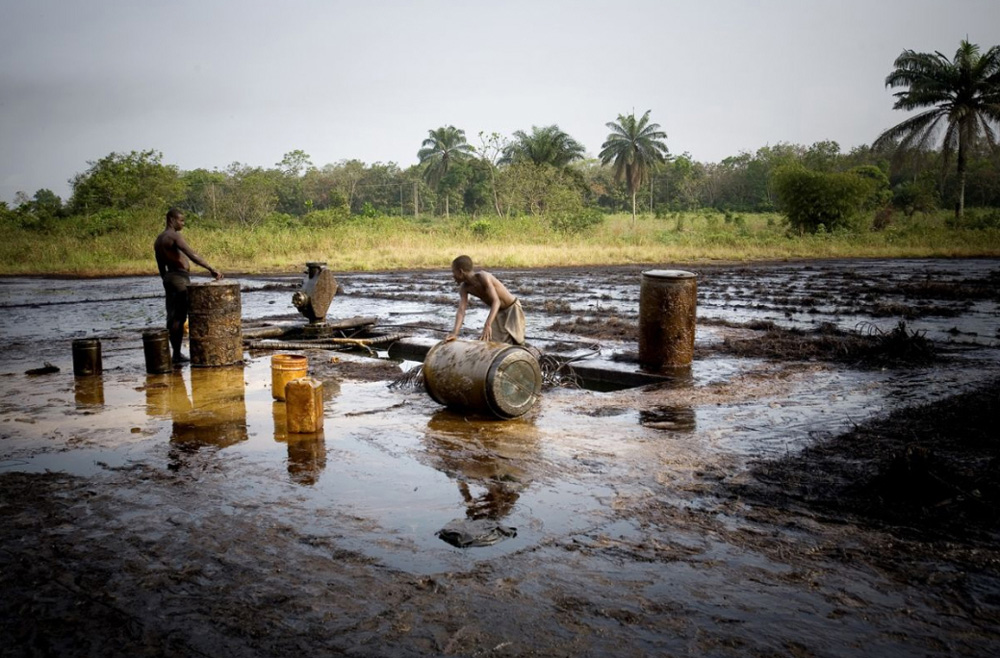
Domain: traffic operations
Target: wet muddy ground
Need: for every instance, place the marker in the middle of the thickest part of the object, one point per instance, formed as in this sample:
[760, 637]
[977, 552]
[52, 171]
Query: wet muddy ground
[824, 481]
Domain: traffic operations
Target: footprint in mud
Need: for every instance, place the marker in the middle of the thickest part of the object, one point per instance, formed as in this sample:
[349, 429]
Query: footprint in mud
[670, 418]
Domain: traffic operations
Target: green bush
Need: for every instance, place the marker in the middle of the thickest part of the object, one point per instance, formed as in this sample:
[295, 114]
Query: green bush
[481, 228]
[978, 219]
[574, 222]
[104, 222]
[913, 197]
[326, 218]
[811, 198]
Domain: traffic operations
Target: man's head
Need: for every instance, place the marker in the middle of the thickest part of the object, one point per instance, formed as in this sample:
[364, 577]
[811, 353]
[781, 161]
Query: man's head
[175, 219]
[461, 267]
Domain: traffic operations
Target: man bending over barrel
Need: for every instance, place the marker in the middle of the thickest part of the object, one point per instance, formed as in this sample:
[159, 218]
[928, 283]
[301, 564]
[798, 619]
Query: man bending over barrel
[172, 254]
[505, 323]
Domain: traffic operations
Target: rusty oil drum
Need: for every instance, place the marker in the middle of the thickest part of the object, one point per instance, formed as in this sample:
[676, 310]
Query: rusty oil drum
[668, 301]
[491, 378]
[87, 357]
[214, 323]
[156, 349]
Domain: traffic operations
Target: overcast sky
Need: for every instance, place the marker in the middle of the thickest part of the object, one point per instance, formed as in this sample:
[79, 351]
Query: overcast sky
[208, 83]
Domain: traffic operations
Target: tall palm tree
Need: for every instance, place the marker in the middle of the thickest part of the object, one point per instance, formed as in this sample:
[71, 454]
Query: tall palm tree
[636, 147]
[546, 145]
[963, 95]
[442, 147]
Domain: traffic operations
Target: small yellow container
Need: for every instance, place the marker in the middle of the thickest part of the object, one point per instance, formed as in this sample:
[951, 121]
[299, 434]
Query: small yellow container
[285, 368]
[304, 406]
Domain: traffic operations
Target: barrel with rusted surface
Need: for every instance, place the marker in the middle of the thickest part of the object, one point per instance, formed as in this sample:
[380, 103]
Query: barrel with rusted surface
[667, 307]
[87, 357]
[285, 368]
[156, 350]
[491, 378]
[214, 323]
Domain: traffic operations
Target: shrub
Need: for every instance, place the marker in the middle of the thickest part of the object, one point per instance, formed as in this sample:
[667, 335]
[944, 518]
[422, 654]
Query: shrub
[571, 223]
[913, 197]
[811, 198]
[327, 218]
[481, 228]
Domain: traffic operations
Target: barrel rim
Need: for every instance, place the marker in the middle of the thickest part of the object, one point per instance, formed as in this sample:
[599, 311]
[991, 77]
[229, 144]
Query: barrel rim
[490, 396]
[214, 284]
[669, 274]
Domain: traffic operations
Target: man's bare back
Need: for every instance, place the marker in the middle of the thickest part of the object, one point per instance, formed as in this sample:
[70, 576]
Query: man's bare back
[494, 294]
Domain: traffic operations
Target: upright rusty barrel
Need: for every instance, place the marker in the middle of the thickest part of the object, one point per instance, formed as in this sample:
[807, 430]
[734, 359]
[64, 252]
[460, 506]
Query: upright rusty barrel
[667, 306]
[492, 378]
[156, 349]
[87, 357]
[214, 325]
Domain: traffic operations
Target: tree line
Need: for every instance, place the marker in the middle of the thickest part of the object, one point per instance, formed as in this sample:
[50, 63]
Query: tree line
[946, 156]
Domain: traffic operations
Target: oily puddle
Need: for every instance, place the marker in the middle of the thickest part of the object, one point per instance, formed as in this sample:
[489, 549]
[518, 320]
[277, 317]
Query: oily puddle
[392, 468]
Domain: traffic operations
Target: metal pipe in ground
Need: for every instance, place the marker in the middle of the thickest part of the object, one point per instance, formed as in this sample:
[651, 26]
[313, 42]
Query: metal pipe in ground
[668, 301]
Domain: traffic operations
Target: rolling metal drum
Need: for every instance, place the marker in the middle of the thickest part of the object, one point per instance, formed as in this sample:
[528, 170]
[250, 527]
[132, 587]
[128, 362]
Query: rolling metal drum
[156, 349]
[491, 378]
[214, 325]
[668, 301]
[87, 357]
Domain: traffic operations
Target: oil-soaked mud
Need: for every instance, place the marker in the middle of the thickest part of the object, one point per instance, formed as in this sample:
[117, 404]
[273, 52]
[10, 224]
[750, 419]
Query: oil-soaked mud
[773, 500]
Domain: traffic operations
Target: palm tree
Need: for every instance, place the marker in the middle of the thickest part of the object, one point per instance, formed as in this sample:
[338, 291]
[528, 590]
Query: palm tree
[546, 145]
[442, 147]
[963, 95]
[635, 147]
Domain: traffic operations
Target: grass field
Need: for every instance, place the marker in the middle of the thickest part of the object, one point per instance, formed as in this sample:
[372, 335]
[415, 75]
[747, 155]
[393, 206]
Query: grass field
[383, 243]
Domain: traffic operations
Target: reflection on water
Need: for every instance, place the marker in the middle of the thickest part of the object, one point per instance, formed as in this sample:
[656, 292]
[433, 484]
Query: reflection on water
[673, 418]
[306, 458]
[89, 391]
[306, 452]
[158, 389]
[215, 414]
[481, 455]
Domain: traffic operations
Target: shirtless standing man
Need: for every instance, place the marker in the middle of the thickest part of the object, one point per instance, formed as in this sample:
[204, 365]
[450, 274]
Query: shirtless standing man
[172, 254]
[505, 323]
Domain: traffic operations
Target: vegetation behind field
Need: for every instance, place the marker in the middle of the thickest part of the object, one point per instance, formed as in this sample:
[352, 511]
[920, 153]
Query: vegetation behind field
[87, 247]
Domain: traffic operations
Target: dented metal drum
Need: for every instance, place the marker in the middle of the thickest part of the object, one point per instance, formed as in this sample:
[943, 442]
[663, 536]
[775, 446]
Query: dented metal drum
[491, 378]
[156, 349]
[87, 357]
[668, 300]
[215, 314]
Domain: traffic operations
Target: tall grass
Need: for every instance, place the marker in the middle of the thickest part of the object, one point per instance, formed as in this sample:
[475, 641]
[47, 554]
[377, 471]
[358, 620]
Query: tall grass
[381, 243]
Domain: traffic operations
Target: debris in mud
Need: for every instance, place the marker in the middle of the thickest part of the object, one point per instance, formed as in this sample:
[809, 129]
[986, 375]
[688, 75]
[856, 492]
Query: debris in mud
[472, 533]
[411, 380]
[933, 470]
[669, 418]
[47, 369]
[370, 370]
[609, 328]
[868, 346]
